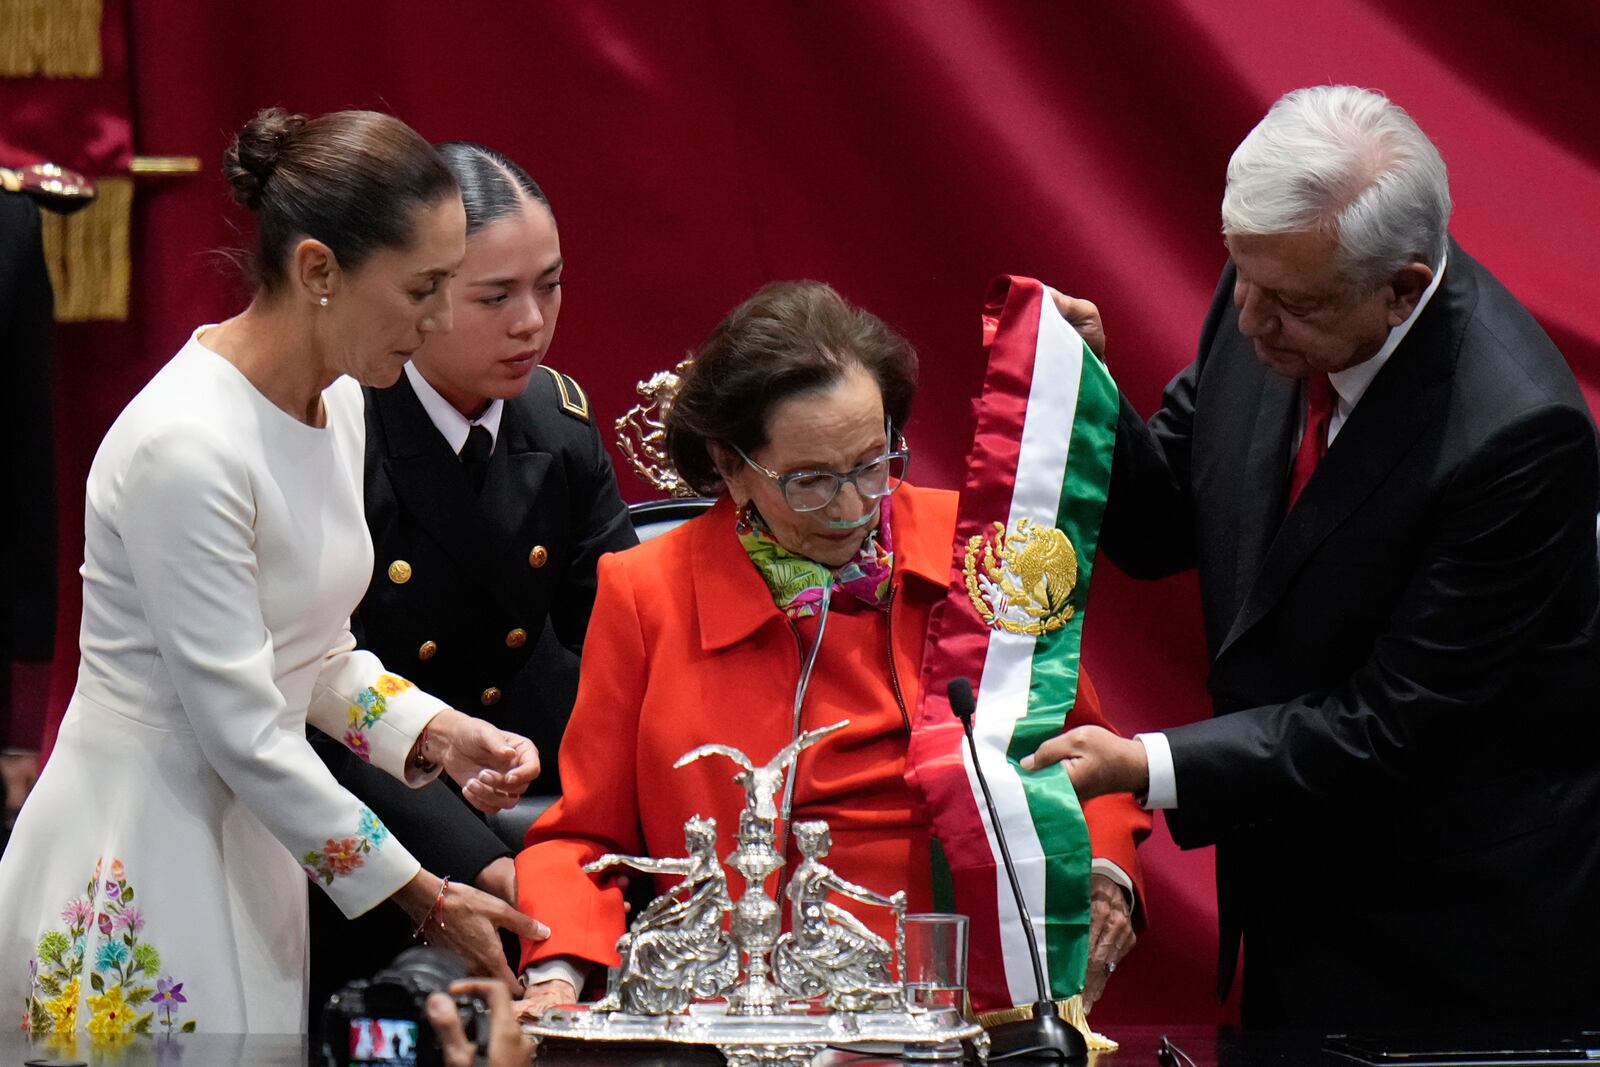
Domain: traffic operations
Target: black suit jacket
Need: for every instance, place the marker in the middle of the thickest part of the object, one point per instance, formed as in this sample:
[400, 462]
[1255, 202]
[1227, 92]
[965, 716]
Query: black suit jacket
[1401, 777]
[482, 601]
[28, 579]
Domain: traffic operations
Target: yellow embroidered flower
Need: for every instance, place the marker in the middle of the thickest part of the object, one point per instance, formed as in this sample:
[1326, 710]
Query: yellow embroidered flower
[64, 1009]
[392, 685]
[356, 712]
[112, 1016]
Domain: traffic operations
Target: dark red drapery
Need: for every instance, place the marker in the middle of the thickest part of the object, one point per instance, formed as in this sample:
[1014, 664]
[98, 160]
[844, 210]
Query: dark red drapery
[905, 152]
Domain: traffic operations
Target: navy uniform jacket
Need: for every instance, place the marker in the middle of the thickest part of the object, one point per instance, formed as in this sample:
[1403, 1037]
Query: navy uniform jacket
[28, 580]
[1402, 778]
[481, 601]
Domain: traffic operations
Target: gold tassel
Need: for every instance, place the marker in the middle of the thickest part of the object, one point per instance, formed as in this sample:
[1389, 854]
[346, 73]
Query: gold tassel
[53, 38]
[87, 254]
[1071, 1010]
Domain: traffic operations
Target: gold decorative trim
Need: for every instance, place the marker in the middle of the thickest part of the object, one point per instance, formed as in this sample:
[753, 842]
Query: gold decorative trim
[87, 255]
[164, 164]
[52, 38]
[1070, 1009]
[567, 387]
[642, 432]
[1022, 582]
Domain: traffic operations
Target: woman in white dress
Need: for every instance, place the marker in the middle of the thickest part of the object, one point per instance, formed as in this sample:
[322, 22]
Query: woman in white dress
[155, 879]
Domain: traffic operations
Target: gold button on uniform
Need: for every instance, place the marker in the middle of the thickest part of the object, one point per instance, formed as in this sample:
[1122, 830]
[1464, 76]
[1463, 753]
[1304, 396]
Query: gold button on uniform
[426, 652]
[399, 572]
[517, 638]
[538, 557]
[490, 697]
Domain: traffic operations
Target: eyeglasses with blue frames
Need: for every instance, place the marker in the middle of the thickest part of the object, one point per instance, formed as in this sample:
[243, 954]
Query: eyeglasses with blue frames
[813, 490]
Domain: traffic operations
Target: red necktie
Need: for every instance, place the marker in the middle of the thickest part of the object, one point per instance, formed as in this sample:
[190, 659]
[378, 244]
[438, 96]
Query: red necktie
[1314, 442]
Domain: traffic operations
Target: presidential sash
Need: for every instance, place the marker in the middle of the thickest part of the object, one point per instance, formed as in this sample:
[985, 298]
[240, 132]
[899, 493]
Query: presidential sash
[1012, 621]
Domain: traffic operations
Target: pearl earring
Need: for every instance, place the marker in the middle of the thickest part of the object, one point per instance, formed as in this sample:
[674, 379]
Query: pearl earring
[323, 301]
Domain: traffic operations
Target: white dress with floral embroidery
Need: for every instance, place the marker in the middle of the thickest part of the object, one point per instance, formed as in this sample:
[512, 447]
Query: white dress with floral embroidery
[156, 877]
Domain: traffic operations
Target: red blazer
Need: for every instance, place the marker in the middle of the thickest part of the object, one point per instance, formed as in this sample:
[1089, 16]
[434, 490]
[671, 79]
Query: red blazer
[686, 648]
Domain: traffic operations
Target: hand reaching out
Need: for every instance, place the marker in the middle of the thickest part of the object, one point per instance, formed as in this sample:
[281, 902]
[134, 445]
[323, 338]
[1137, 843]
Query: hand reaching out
[467, 921]
[493, 767]
[1097, 761]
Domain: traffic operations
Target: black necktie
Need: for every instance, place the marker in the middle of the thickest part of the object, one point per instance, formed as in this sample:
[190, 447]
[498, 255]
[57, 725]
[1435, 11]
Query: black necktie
[475, 456]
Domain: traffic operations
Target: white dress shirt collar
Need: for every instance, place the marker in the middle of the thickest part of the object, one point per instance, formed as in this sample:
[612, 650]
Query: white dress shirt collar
[453, 425]
[1351, 384]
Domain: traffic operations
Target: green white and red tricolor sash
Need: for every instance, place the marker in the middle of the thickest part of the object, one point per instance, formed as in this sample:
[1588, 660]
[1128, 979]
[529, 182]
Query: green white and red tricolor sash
[1040, 462]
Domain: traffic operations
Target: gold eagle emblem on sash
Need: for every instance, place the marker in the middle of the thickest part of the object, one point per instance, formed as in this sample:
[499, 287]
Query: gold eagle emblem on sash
[1022, 581]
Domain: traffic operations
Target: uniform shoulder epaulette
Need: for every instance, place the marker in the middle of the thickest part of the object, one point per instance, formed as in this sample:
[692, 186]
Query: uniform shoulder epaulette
[574, 401]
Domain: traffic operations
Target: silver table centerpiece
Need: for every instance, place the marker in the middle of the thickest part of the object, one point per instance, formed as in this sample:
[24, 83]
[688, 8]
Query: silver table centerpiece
[763, 998]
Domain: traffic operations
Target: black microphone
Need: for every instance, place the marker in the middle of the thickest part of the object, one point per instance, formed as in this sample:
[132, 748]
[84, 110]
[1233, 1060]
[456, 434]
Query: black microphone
[1046, 1035]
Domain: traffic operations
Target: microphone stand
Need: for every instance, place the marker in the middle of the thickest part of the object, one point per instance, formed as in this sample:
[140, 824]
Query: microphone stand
[1046, 1035]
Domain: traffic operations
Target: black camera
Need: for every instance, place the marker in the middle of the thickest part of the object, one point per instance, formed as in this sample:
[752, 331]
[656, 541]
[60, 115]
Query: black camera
[384, 1019]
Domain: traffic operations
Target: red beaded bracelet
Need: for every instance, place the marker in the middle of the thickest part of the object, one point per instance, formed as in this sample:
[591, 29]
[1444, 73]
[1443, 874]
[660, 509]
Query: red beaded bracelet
[417, 933]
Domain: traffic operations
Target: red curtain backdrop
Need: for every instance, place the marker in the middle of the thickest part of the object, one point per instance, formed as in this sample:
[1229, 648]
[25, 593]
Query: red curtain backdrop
[905, 152]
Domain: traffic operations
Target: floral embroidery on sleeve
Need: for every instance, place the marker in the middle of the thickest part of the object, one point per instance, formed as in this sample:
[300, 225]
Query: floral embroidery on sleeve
[124, 966]
[342, 855]
[371, 704]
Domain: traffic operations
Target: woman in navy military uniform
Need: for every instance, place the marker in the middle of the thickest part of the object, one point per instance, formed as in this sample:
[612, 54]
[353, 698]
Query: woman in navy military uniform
[490, 499]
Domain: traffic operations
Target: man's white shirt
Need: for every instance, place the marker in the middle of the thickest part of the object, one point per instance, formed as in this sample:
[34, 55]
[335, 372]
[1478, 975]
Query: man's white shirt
[1349, 386]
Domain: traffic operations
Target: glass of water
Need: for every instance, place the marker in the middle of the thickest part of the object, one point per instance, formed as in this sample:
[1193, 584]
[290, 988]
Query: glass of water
[934, 968]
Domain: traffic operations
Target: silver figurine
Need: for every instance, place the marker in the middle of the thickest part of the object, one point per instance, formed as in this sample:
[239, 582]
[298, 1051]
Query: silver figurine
[757, 918]
[828, 952]
[677, 951]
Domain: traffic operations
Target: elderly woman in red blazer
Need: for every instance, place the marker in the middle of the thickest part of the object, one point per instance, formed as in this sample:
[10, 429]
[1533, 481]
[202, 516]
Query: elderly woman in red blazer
[791, 415]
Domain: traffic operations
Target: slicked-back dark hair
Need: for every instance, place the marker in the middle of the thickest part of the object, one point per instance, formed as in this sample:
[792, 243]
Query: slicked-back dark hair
[492, 185]
[350, 179]
[789, 338]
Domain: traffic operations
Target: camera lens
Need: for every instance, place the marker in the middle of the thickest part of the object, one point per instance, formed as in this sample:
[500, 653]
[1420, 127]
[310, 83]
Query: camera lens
[427, 969]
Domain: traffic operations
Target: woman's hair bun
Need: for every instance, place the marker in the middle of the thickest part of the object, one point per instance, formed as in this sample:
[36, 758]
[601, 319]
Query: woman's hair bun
[250, 160]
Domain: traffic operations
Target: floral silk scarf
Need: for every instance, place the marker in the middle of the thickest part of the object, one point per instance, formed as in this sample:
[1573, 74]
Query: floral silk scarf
[797, 583]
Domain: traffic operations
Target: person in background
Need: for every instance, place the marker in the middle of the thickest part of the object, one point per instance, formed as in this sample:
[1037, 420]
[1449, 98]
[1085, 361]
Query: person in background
[155, 879]
[490, 499]
[28, 585]
[791, 415]
[1386, 478]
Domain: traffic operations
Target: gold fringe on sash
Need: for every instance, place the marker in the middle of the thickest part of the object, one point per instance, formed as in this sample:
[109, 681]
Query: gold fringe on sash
[1070, 1009]
[55, 38]
[88, 256]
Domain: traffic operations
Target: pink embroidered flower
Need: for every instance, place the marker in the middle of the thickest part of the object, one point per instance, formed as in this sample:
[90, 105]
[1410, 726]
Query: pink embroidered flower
[357, 742]
[130, 919]
[105, 923]
[77, 913]
[342, 856]
[117, 872]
